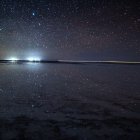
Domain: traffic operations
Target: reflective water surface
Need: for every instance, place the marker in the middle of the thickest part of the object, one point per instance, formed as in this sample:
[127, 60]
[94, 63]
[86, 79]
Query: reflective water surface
[53, 101]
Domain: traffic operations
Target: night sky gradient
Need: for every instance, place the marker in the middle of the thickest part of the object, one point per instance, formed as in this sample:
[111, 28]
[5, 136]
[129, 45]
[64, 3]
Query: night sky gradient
[70, 29]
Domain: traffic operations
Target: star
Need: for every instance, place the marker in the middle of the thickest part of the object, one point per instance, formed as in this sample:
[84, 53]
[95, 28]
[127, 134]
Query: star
[33, 13]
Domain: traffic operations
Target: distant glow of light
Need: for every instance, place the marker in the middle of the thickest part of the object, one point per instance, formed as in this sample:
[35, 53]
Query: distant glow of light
[31, 59]
[13, 59]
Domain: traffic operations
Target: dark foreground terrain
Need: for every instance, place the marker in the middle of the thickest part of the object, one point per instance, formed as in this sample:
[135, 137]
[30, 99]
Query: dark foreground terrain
[69, 102]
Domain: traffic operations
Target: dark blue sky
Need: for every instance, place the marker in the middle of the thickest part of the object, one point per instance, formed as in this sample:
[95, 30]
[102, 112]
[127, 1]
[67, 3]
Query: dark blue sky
[76, 29]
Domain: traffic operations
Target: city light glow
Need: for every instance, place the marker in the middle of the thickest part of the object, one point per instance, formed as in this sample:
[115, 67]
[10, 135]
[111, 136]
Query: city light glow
[32, 59]
[13, 59]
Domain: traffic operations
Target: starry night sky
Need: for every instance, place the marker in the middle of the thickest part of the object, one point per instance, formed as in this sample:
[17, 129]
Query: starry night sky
[70, 29]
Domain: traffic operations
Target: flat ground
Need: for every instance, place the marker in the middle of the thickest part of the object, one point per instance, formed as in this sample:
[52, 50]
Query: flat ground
[79, 102]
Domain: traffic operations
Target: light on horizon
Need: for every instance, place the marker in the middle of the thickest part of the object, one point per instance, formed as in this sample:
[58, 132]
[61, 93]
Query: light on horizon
[31, 59]
[13, 59]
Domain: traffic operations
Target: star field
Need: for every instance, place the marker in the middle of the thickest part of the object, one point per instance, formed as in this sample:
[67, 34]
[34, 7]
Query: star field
[76, 29]
[69, 69]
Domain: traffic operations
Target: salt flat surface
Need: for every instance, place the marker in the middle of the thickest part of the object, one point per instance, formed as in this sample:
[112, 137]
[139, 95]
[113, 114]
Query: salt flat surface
[67, 101]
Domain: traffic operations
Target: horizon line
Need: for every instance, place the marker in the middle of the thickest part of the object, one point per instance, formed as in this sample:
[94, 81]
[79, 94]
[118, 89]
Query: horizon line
[70, 61]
